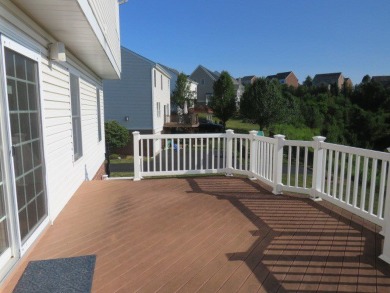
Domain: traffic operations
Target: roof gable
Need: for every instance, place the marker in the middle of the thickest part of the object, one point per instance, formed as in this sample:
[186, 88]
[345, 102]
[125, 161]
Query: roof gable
[326, 78]
[146, 60]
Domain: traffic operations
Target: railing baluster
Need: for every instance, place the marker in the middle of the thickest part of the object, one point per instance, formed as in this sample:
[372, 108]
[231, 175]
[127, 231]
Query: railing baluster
[382, 189]
[190, 154]
[325, 162]
[201, 154]
[166, 154]
[364, 184]
[305, 167]
[212, 153]
[330, 166]
[297, 166]
[349, 179]
[268, 157]
[178, 154]
[219, 153]
[147, 155]
[154, 154]
[207, 153]
[196, 154]
[142, 155]
[185, 154]
[356, 181]
[341, 184]
[372, 186]
[335, 174]
[172, 154]
[289, 166]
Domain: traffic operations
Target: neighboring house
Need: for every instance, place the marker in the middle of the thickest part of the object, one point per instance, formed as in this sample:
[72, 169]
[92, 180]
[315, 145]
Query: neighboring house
[193, 85]
[384, 80]
[348, 83]
[328, 79]
[205, 79]
[51, 110]
[141, 99]
[287, 78]
[247, 80]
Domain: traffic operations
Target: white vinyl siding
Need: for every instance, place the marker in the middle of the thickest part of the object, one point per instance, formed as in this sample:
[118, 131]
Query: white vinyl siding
[76, 117]
[59, 134]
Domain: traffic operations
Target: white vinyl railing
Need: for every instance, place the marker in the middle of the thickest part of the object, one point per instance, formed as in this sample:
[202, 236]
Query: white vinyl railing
[357, 180]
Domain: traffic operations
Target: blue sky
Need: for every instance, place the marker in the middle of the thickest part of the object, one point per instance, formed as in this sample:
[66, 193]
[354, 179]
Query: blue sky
[256, 37]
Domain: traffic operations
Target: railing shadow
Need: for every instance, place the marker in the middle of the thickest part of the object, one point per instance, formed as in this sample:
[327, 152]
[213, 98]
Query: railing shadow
[301, 246]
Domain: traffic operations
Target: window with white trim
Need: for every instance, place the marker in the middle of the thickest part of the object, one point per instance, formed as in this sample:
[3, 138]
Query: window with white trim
[158, 109]
[76, 117]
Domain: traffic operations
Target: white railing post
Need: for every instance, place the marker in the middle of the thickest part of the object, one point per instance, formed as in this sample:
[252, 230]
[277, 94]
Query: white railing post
[385, 256]
[137, 158]
[317, 168]
[229, 152]
[278, 164]
[253, 152]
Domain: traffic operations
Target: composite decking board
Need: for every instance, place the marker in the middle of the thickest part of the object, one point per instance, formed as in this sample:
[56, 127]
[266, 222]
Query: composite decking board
[212, 233]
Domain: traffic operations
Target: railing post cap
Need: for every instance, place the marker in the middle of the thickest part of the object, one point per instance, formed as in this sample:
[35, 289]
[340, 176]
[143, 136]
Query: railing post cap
[279, 136]
[253, 132]
[230, 131]
[319, 138]
[388, 149]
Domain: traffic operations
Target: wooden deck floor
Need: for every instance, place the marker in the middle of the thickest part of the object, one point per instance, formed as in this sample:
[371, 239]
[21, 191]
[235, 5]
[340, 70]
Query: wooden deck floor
[212, 234]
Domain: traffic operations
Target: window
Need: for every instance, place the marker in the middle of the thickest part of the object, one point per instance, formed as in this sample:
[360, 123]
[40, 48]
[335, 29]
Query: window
[154, 77]
[158, 109]
[161, 82]
[202, 81]
[99, 114]
[76, 117]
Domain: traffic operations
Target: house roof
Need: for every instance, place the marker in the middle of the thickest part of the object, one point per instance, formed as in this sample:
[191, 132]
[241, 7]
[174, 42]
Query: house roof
[326, 78]
[152, 63]
[281, 75]
[385, 80]
[215, 74]
[169, 69]
[247, 79]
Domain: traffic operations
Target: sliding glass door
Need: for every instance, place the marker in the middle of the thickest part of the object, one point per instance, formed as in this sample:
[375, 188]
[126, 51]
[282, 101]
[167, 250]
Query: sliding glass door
[26, 139]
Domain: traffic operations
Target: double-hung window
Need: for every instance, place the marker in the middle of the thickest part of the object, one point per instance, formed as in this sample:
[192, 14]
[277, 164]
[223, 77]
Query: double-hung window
[76, 117]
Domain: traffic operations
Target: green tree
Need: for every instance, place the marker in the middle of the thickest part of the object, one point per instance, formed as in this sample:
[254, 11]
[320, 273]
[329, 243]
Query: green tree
[223, 101]
[308, 81]
[263, 103]
[182, 92]
[116, 135]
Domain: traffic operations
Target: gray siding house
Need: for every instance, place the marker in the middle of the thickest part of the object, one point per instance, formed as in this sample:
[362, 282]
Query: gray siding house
[205, 79]
[141, 99]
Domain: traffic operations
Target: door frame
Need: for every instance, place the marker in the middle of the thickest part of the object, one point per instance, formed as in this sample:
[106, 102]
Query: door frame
[20, 248]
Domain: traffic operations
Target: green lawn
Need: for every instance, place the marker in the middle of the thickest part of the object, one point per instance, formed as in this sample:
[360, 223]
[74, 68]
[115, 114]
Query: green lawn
[241, 127]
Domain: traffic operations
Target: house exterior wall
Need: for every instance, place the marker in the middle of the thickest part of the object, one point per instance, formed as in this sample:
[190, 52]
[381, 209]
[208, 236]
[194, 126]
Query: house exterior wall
[63, 173]
[137, 95]
[292, 80]
[205, 88]
[131, 96]
[161, 99]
